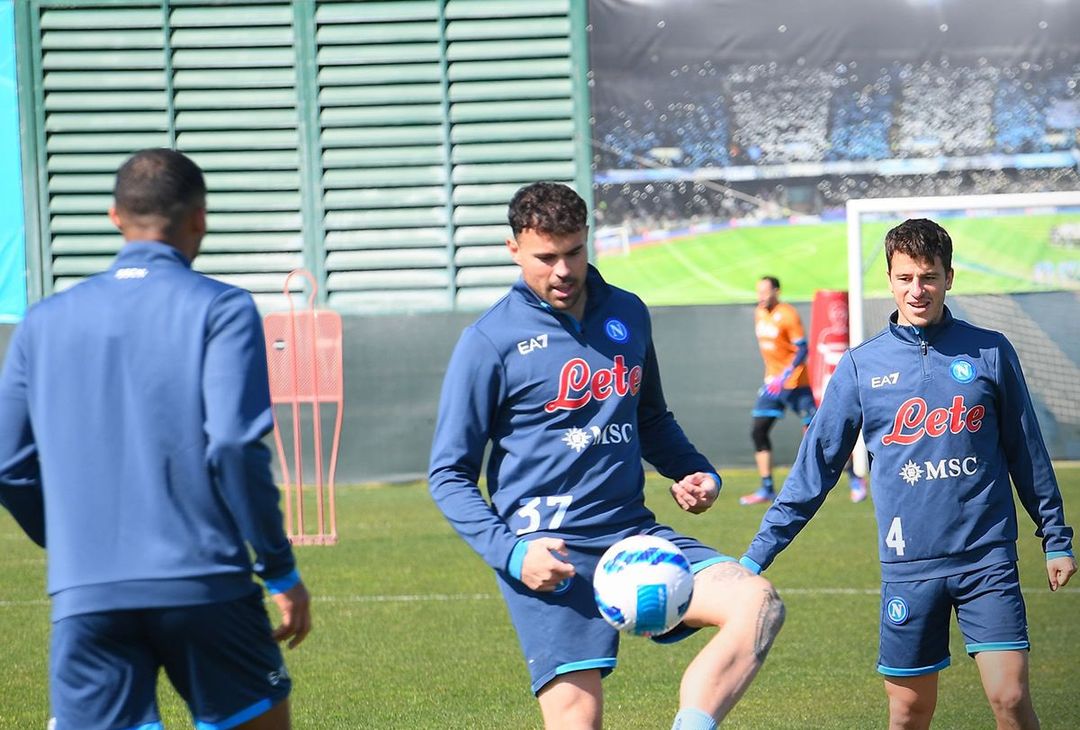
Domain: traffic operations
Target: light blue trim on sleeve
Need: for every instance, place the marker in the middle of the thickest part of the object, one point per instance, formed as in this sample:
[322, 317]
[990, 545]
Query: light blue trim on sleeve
[259, 708]
[767, 413]
[997, 646]
[282, 584]
[750, 564]
[916, 672]
[517, 559]
[1059, 554]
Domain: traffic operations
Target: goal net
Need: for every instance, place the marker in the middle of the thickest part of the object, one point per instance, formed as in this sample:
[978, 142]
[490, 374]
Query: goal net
[1017, 264]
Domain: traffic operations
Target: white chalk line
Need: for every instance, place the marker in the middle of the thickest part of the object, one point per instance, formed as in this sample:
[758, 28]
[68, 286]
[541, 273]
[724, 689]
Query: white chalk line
[1029, 594]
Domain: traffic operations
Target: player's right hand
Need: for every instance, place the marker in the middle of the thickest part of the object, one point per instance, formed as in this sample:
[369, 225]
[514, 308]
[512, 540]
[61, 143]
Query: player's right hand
[1059, 570]
[541, 570]
[295, 607]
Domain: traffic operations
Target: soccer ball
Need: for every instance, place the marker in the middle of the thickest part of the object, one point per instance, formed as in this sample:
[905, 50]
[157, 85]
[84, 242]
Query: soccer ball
[643, 585]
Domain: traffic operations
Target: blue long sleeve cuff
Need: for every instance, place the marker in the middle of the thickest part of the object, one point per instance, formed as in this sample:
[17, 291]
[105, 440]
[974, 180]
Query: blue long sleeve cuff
[282, 584]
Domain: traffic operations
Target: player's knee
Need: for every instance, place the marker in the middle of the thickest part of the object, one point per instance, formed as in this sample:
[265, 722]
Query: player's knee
[759, 434]
[1008, 700]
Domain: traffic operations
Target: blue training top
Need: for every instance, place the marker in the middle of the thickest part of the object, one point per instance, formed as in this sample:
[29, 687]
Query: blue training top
[570, 409]
[947, 419]
[132, 408]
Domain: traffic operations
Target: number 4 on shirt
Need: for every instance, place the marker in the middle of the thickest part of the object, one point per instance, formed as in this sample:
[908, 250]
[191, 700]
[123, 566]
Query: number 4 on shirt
[895, 538]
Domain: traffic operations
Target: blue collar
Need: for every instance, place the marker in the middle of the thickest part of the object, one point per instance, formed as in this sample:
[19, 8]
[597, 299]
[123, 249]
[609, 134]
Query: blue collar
[146, 252]
[917, 335]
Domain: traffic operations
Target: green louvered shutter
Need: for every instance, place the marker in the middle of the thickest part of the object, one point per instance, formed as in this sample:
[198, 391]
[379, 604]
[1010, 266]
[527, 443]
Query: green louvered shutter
[384, 157]
[217, 80]
[234, 81]
[377, 142]
[103, 94]
[512, 118]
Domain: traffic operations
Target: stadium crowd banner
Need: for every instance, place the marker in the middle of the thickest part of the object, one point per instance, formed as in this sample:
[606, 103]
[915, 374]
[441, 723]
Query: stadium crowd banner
[12, 222]
[714, 120]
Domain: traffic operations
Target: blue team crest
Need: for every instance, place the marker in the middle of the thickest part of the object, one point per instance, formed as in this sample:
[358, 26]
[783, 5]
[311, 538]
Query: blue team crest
[897, 611]
[616, 330]
[962, 370]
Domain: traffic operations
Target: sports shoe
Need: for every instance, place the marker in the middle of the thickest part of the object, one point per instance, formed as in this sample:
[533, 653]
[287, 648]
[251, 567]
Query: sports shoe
[761, 496]
[858, 489]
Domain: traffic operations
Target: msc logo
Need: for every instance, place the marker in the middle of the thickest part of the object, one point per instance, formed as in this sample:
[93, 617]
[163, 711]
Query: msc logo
[533, 343]
[897, 610]
[131, 272]
[915, 419]
[578, 384]
[880, 380]
[940, 469]
[613, 433]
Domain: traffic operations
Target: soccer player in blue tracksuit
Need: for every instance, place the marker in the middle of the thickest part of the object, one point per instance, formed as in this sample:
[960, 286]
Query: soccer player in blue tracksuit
[132, 408]
[946, 416]
[561, 377]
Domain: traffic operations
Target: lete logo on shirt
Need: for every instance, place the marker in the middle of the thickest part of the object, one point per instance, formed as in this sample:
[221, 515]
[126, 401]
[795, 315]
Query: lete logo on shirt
[914, 419]
[578, 384]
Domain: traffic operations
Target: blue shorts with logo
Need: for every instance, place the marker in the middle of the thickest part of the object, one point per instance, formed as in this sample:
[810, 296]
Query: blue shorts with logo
[798, 400]
[220, 657]
[915, 618]
[562, 632]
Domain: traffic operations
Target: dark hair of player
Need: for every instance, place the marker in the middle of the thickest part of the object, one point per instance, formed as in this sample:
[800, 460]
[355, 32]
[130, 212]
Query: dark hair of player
[772, 280]
[922, 240]
[548, 208]
[159, 183]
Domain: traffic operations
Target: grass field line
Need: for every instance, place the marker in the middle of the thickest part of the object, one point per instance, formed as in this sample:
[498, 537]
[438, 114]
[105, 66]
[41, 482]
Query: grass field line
[1029, 593]
[704, 276]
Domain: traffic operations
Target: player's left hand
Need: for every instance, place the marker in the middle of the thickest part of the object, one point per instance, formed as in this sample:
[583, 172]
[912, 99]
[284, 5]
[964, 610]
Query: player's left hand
[774, 386]
[1059, 570]
[695, 492]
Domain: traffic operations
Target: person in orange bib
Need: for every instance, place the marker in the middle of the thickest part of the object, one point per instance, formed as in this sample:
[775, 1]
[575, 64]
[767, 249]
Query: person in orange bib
[783, 346]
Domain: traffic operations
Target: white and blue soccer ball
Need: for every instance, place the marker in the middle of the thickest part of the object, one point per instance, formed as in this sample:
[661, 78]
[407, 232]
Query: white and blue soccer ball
[643, 585]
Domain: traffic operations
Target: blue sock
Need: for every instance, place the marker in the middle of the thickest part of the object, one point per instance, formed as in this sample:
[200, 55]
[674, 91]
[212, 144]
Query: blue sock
[693, 719]
[766, 485]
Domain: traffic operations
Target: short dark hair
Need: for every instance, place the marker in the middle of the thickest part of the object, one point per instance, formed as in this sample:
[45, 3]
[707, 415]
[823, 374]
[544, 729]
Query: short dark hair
[921, 239]
[547, 207]
[161, 183]
[772, 280]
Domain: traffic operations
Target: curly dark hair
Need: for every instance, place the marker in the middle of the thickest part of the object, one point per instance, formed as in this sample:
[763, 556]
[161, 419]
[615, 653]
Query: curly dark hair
[549, 208]
[921, 239]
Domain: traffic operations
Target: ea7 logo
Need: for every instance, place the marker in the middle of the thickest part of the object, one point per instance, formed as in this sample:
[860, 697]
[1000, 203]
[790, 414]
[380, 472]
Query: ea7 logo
[880, 380]
[533, 343]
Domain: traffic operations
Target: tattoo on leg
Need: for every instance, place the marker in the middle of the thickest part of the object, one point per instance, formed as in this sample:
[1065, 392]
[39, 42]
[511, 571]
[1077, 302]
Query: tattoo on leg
[770, 619]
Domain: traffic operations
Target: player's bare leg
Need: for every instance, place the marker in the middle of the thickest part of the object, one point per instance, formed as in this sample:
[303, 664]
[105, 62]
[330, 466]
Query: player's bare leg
[912, 701]
[1005, 680]
[276, 718]
[573, 701]
[749, 614]
[763, 459]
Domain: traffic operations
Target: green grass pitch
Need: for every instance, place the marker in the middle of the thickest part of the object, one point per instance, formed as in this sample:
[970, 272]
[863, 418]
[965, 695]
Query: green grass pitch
[410, 631]
[991, 255]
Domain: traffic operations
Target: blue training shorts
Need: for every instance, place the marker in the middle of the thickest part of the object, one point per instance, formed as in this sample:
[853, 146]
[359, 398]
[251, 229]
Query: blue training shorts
[799, 400]
[915, 618]
[220, 657]
[564, 632]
